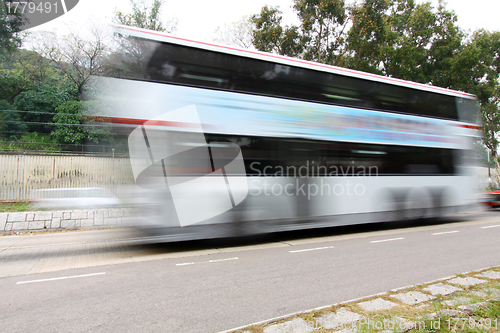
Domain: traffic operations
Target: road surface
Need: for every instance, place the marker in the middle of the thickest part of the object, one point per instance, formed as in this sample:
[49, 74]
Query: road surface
[112, 281]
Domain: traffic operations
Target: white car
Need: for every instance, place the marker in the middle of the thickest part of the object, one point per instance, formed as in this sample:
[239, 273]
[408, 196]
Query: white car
[74, 198]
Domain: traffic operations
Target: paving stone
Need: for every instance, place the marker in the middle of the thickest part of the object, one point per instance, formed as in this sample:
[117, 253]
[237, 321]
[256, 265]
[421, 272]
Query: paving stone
[79, 214]
[442, 313]
[36, 225]
[110, 220]
[339, 319]
[20, 226]
[479, 293]
[377, 304]
[490, 275]
[68, 224]
[494, 291]
[296, 325]
[413, 297]
[16, 217]
[492, 294]
[457, 301]
[449, 312]
[66, 215]
[443, 289]
[42, 216]
[469, 308]
[87, 223]
[466, 281]
[30, 216]
[99, 218]
[3, 221]
[116, 212]
[56, 222]
[57, 213]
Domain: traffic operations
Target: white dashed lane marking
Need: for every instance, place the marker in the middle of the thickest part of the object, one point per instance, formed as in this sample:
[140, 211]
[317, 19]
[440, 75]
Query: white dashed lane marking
[61, 278]
[491, 226]
[445, 232]
[387, 240]
[315, 249]
[205, 262]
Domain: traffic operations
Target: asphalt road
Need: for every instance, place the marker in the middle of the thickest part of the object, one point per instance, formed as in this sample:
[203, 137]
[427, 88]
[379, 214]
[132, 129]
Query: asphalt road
[109, 281]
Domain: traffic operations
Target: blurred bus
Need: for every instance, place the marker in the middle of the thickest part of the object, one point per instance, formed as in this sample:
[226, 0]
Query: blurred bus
[248, 142]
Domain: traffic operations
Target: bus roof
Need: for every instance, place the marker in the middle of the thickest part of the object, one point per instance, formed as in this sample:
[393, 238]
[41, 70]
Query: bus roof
[279, 59]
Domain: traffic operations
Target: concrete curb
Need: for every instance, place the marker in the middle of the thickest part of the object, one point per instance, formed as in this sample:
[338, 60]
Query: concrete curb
[64, 220]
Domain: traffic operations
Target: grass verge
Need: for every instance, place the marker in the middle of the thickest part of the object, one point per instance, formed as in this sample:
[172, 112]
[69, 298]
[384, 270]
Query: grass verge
[473, 309]
[12, 207]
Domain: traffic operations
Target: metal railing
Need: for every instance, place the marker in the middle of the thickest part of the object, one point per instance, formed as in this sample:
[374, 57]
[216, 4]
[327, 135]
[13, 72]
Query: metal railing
[62, 148]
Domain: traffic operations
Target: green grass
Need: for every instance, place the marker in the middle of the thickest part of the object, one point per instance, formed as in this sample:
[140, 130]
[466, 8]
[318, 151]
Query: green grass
[14, 207]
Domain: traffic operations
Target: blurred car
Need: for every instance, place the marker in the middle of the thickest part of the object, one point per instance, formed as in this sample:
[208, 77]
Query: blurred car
[492, 198]
[74, 198]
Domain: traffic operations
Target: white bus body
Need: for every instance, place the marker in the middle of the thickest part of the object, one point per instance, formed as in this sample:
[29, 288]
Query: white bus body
[253, 142]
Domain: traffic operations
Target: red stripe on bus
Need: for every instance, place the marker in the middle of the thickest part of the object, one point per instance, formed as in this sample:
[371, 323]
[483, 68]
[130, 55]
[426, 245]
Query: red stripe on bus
[341, 69]
[132, 121]
[471, 127]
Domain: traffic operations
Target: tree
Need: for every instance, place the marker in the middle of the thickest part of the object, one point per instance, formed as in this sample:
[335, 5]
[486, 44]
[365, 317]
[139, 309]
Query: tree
[10, 26]
[71, 126]
[238, 33]
[368, 35]
[79, 58]
[323, 25]
[476, 68]
[11, 125]
[40, 103]
[146, 14]
[410, 33]
[490, 113]
[13, 83]
[22, 70]
[270, 36]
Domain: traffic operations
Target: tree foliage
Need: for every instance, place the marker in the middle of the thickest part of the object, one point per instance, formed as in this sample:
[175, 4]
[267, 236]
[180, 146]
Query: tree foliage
[78, 57]
[270, 36]
[146, 14]
[40, 103]
[11, 125]
[74, 129]
[10, 26]
[323, 25]
[238, 33]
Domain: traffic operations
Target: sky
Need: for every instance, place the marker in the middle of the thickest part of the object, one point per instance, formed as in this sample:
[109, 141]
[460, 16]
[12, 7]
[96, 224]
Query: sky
[198, 19]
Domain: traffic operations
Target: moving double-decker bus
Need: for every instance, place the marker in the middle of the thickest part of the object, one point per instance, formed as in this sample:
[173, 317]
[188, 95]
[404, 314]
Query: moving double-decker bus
[244, 141]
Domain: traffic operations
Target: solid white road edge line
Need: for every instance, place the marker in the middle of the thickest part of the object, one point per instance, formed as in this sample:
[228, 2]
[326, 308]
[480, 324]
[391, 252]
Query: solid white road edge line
[61, 278]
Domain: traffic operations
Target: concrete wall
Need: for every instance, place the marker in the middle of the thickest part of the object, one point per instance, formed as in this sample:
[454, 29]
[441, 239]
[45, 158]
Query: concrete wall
[64, 220]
